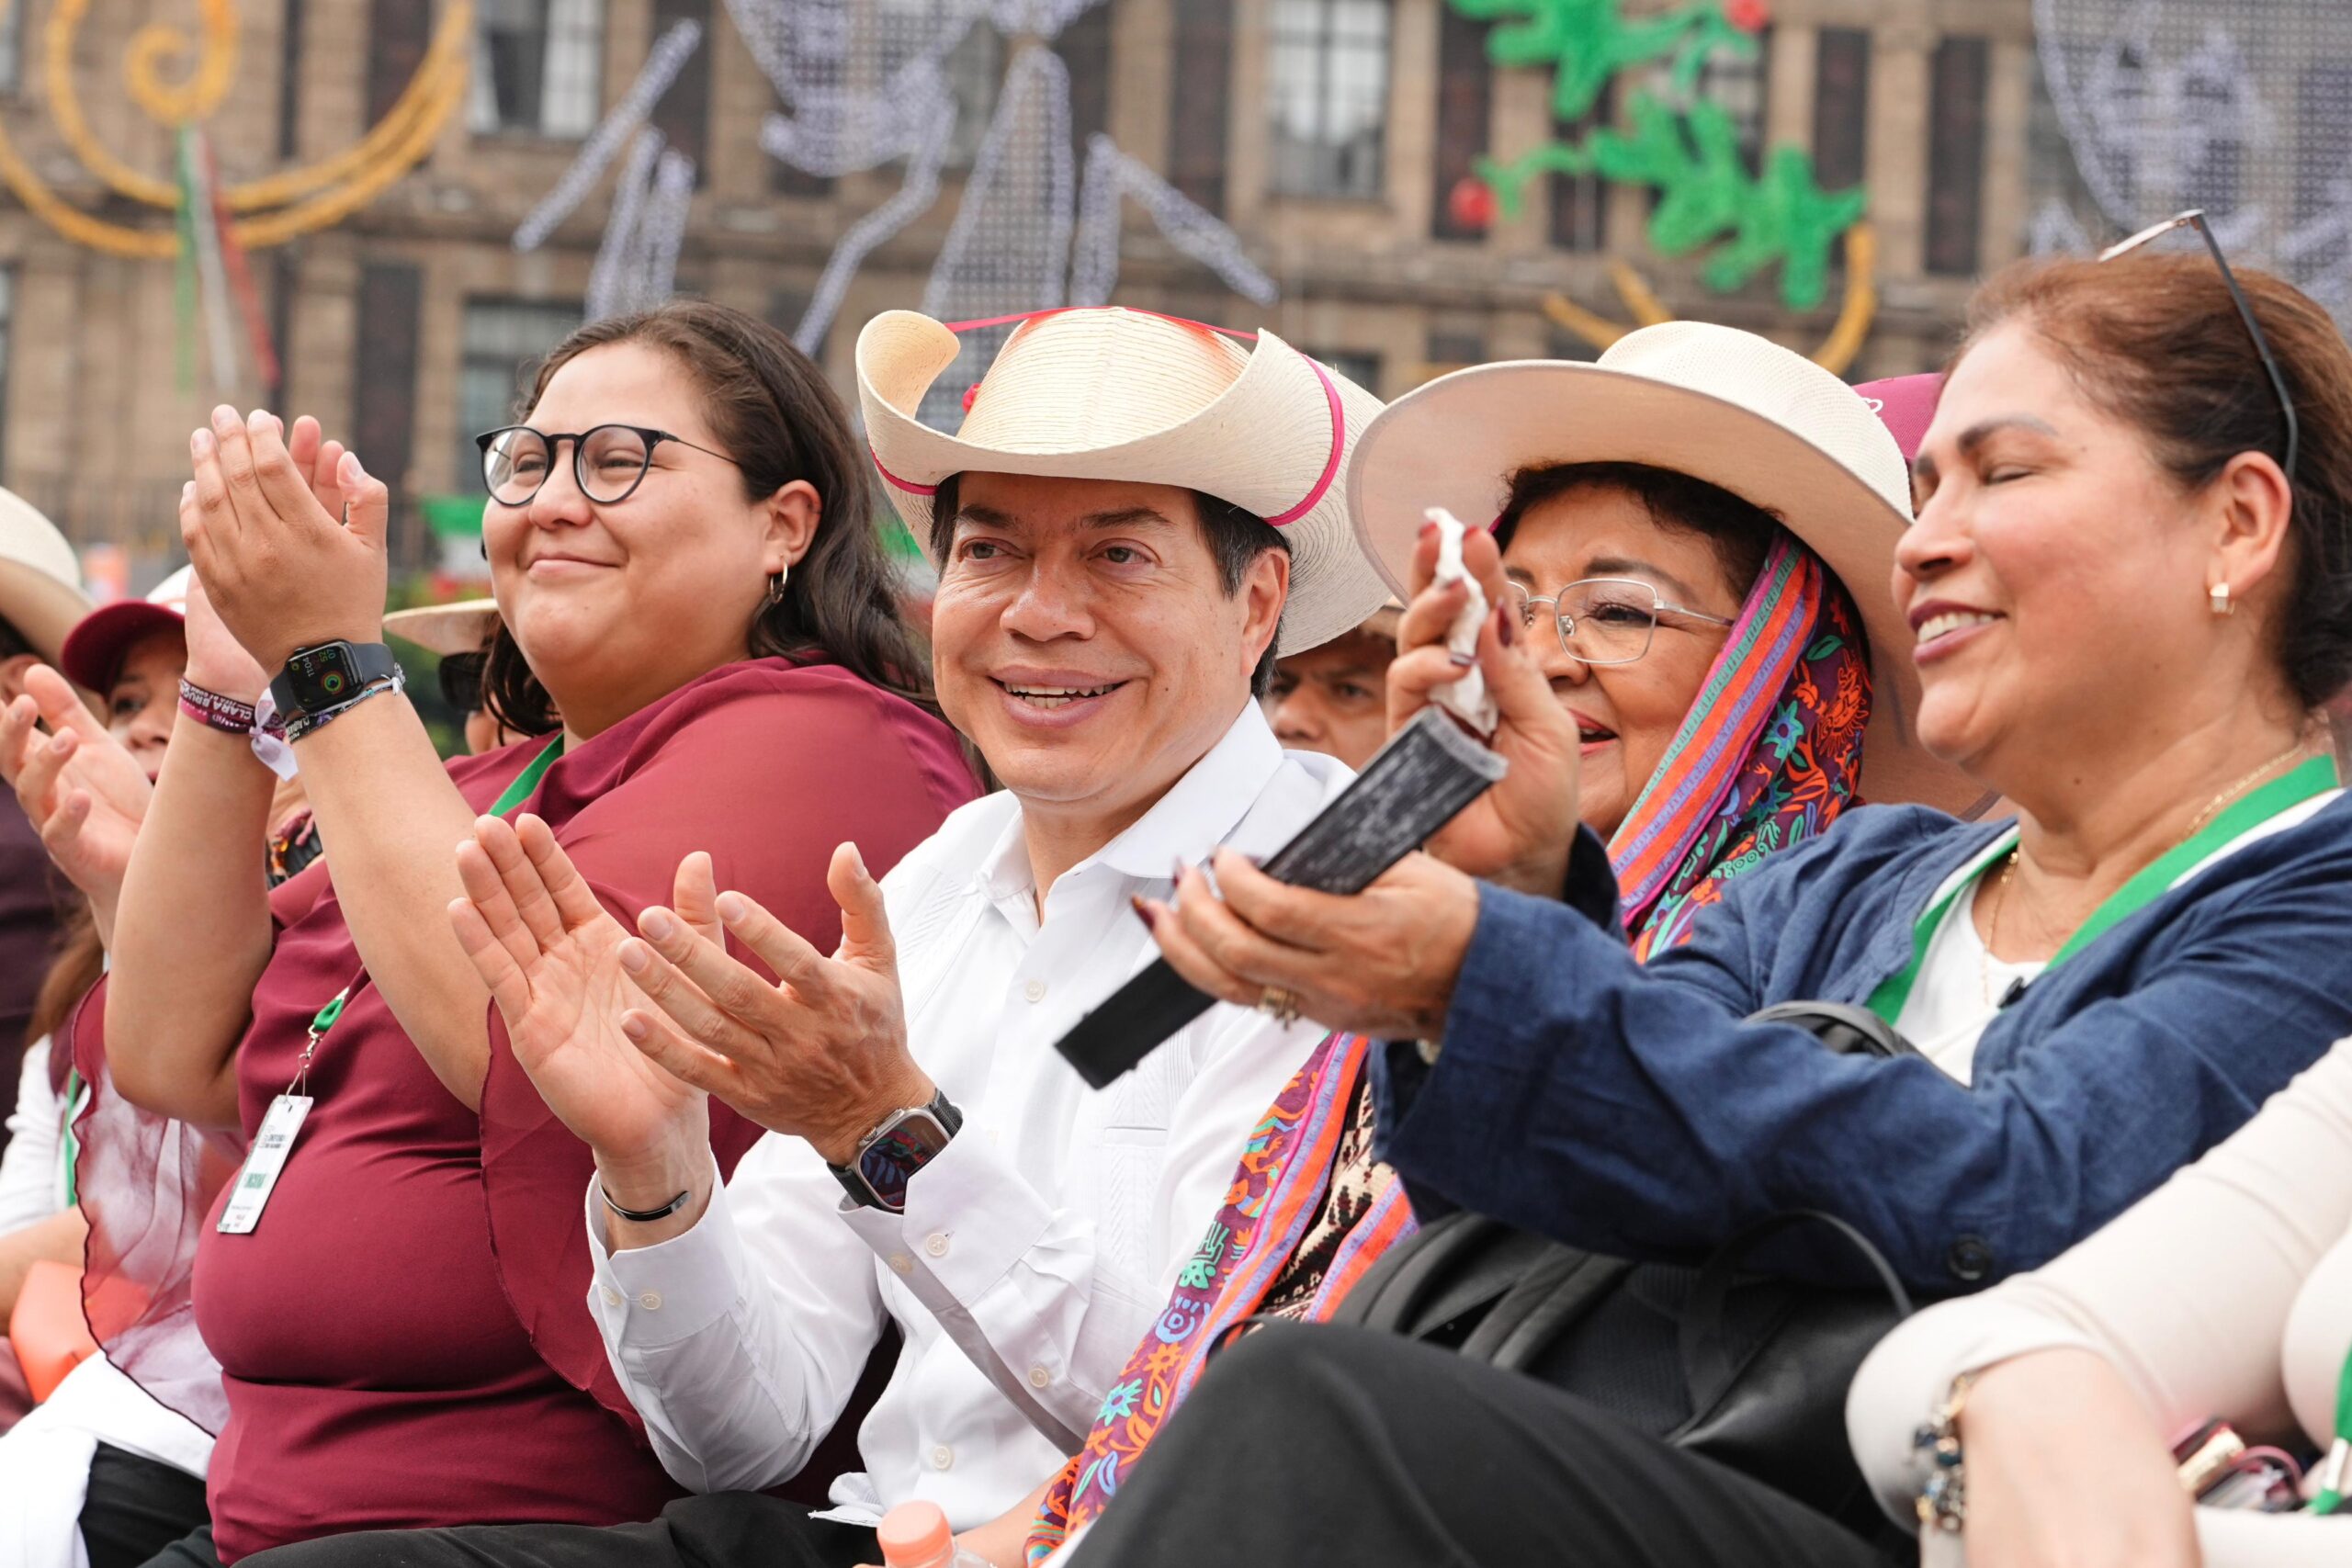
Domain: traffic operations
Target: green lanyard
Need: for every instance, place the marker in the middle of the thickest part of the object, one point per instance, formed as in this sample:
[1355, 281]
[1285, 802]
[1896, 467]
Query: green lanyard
[516, 794]
[2314, 777]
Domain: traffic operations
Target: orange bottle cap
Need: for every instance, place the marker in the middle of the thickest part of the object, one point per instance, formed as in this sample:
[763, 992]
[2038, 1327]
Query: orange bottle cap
[915, 1535]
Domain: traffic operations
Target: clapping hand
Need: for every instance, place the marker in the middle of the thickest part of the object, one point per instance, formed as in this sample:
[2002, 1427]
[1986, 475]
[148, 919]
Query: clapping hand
[287, 534]
[550, 954]
[1519, 832]
[79, 785]
[821, 1055]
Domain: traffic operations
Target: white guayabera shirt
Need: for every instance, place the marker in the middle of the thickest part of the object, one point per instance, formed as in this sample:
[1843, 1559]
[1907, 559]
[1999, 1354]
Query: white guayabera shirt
[1037, 1250]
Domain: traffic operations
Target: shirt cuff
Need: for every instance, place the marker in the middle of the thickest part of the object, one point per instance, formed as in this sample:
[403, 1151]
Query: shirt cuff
[969, 1219]
[646, 1297]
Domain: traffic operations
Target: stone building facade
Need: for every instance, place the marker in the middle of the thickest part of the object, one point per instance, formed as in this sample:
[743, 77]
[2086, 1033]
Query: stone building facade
[1329, 133]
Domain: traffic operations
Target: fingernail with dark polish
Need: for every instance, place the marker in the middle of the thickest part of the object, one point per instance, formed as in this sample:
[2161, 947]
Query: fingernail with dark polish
[1427, 529]
[1144, 912]
[1177, 875]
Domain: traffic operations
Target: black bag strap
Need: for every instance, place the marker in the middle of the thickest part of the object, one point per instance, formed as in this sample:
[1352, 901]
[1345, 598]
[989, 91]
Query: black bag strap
[1845, 1029]
[1431, 1260]
[1545, 1305]
[1706, 1360]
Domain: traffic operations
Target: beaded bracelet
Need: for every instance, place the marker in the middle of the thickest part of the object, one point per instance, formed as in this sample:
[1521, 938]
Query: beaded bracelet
[214, 711]
[300, 725]
[1942, 1503]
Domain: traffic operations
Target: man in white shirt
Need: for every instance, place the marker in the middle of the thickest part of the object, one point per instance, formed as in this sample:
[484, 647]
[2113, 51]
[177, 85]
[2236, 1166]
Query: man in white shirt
[1108, 607]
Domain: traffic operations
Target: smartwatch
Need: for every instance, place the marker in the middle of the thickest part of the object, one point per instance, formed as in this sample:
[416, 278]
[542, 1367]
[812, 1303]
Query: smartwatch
[889, 1157]
[329, 675]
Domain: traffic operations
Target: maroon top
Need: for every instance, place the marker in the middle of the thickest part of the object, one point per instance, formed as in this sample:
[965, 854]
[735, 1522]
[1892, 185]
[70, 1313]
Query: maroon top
[32, 917]
[404, 1338]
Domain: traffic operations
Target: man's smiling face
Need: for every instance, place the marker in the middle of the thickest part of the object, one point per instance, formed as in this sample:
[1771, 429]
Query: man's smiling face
[1085, 640]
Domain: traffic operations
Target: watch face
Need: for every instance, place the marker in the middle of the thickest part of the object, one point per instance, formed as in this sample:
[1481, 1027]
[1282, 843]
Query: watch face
[892, 1159]
[321, 676]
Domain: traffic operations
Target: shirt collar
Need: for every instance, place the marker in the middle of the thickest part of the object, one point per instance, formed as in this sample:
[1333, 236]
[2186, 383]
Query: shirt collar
[1196, 814]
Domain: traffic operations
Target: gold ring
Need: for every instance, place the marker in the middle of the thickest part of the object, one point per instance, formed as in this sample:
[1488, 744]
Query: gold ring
[1281, 1003]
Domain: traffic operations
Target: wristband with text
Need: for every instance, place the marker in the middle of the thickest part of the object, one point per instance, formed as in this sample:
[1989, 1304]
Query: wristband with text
[302, 724]
[216, 712]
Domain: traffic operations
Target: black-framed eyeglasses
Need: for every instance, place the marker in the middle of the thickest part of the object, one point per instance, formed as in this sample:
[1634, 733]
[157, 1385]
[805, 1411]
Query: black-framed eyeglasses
[608, 462]
[2195, 219]
[1604, 620]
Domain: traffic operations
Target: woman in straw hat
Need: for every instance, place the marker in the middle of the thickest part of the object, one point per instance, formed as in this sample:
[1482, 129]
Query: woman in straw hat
[2125, 598]
[1721, 681]
[681, 538]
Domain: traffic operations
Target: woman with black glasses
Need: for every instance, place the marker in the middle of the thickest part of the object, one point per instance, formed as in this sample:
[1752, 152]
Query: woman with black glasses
[2124, 609]
[701, 637]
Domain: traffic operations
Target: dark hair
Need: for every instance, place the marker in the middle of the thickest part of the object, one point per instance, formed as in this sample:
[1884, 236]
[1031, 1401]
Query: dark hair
[770, 410]
[1741, 531]
[460, 679]
[1236, 539]
[2155, 341]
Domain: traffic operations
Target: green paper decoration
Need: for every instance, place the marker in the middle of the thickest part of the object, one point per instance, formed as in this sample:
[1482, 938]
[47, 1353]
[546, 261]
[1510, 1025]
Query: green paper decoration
[1690, 157]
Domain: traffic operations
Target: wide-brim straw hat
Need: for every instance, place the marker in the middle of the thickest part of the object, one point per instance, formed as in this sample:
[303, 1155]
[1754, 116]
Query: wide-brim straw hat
[462, 628]
[40, 580]
[1109, 393]
[1715, 402]
[94, 651]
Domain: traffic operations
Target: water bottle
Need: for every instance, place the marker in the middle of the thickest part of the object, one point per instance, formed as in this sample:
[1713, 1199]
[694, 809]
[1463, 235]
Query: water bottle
[915, 1535]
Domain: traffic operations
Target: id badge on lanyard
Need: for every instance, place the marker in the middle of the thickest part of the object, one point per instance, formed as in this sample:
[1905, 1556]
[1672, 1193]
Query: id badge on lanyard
[257, 1177]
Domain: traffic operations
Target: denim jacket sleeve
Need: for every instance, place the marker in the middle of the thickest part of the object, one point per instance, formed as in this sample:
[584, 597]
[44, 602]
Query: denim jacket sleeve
[1630, 1111]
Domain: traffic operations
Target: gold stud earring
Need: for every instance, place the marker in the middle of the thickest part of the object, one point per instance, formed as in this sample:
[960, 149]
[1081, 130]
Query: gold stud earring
[2219, 595]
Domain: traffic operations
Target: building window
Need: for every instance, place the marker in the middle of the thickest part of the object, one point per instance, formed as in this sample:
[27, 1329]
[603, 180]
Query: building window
[504, 341]
[1452, 348]
[538, 67]
[1085, 47]
[1580, 202]
[1956, 155]
[1464, 105]
[1734, 81]
[1203, 101]
[1330, 88]
[12, 46]
[1360, 367]
[1841, 108]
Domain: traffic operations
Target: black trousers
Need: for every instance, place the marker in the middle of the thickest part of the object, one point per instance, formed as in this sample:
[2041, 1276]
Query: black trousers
[137, 1507]
[726, 1530]
[1322, 1445]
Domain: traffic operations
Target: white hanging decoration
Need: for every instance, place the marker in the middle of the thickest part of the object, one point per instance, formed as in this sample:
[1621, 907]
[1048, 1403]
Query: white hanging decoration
[662, 67]
[637, 265]
[1189, 226]
[2240, 108]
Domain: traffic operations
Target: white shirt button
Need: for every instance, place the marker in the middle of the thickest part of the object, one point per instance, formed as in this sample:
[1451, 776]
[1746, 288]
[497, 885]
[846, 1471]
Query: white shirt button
[902, 1263]
[1035, 991]
[941, 1457]
[1039, 1377]
[650, 1300]
[937, 1245]
[613, 1298]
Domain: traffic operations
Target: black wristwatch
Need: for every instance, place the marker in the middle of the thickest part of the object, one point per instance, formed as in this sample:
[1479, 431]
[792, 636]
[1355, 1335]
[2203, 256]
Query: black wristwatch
[328, 675]
[889, 1157]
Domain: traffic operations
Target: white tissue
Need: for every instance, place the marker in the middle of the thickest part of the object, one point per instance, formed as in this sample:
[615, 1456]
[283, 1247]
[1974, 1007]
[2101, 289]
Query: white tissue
[1467, 698]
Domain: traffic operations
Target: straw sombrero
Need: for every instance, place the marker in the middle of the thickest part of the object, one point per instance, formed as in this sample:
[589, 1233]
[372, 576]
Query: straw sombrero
[40, 582]
[462, 628]
[1712, 401]
[1109, 393]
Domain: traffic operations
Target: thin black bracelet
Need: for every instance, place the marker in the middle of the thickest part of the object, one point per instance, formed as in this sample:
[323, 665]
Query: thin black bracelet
[303, 724]
[644, 1216]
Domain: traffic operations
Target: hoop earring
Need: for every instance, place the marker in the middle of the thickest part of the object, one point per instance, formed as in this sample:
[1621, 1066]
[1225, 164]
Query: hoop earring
[2219, 594]
[775, 590]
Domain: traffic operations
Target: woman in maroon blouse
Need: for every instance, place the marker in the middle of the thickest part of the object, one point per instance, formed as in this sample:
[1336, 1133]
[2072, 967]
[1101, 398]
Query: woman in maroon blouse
[402, 1334]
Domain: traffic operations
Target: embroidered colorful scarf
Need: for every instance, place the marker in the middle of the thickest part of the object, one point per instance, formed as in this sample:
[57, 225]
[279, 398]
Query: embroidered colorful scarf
[1768, 757]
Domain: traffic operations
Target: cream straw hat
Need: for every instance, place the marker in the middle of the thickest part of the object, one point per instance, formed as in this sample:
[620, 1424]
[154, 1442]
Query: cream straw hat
[40, 582]
[1108, 393]
[463, 626]
[1715, 402]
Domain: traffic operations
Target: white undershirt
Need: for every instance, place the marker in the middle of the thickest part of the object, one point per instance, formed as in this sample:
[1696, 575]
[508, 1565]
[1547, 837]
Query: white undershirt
[1960, 987]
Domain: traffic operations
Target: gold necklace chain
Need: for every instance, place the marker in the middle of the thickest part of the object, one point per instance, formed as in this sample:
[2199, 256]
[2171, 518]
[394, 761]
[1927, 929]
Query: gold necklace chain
[2009, 861]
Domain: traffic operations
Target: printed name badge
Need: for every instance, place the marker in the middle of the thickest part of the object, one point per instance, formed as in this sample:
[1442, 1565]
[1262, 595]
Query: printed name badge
[258, 1176]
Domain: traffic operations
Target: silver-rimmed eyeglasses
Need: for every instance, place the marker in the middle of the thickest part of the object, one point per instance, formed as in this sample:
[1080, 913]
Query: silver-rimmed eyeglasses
[1604, 620]
[608, 462]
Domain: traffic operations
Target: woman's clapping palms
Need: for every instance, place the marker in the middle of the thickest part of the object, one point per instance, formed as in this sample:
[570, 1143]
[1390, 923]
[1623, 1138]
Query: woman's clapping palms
[79, 785]
[550, 954]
